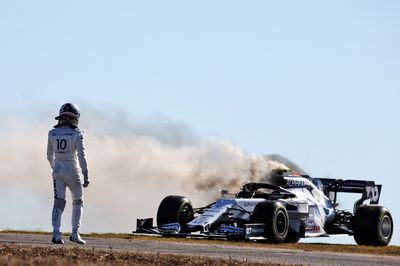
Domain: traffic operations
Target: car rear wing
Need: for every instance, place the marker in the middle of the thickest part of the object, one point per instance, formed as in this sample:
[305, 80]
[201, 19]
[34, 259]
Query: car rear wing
[368, 189]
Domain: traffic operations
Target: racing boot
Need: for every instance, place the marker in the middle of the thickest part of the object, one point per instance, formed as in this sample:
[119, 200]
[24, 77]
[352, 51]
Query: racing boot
[57, 238]
[75, 237]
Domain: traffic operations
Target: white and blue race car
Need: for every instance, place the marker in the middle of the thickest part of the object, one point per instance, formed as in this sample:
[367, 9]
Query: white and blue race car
[300, 206]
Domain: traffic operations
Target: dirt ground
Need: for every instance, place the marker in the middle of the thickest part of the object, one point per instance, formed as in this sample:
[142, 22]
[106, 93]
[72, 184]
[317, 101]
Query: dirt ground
[16, 255]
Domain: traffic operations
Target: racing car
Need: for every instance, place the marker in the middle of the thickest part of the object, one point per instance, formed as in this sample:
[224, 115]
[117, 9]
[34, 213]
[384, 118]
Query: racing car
[299, 206]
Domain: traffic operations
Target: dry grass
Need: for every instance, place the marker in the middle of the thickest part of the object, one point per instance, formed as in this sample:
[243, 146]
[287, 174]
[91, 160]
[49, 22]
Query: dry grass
[15, 255]
[387, 251]
[25, 232]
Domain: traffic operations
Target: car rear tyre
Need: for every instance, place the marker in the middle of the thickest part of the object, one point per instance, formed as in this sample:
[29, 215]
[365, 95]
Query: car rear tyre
[293, 236]
[276, 219]
[372, 226]
[175, 209]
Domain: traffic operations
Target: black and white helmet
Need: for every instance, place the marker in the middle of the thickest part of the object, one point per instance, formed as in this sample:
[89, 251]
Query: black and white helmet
[69, 115]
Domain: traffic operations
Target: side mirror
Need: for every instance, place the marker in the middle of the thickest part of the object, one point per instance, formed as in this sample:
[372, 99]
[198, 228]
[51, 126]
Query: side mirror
[224, 192]
[336, 204]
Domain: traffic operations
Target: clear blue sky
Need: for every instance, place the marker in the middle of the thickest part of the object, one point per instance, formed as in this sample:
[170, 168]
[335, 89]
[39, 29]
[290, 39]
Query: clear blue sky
[316, 81]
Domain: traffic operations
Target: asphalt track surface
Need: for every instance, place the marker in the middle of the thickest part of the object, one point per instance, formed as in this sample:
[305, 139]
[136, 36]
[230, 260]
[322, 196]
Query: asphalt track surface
[257, 254]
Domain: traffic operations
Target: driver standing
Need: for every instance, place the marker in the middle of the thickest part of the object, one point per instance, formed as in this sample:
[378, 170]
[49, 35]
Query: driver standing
[64, 149]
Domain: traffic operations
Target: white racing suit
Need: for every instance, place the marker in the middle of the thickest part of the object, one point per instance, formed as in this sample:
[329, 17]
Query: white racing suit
[64, 148]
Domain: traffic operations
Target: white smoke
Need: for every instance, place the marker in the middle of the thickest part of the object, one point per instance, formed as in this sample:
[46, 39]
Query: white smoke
[133, 165]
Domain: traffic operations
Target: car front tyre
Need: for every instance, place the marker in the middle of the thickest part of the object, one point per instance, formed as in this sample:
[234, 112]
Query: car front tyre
[175, 209]
[276, 219]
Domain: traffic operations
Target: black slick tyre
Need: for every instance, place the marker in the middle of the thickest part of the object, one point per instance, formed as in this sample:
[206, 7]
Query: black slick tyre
[276, 219]
[174, 209]
[293, 236]
[372, 226]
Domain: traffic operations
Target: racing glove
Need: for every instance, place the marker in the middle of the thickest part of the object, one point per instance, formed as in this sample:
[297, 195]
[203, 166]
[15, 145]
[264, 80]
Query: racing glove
[85, 181]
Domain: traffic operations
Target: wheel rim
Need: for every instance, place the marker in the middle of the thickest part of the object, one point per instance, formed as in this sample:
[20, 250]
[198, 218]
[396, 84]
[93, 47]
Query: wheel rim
[386, 227]
[281, 223]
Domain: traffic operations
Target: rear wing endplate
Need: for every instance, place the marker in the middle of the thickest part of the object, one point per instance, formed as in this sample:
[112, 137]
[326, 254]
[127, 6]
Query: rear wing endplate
[369, 189]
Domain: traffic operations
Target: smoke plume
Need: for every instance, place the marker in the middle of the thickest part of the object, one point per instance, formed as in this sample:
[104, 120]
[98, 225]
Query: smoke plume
[133, 164]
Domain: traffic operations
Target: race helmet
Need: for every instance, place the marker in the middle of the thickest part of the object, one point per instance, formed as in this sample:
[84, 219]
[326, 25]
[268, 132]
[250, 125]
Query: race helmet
[69, 115]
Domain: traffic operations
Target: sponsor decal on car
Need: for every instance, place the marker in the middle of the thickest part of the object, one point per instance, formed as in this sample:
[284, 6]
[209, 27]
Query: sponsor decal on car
[314, 229]
[296, 182]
